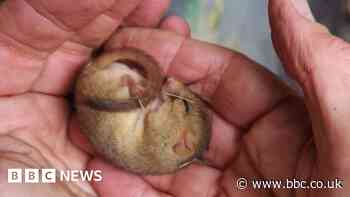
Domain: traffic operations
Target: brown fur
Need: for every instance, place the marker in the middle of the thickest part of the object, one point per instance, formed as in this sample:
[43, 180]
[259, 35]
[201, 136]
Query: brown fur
[160, 138]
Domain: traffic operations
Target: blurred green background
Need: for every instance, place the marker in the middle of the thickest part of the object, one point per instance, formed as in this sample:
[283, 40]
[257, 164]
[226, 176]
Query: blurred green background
[243, 25]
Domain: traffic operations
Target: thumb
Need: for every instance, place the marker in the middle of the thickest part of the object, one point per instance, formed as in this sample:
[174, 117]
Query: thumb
[320, 63]
[293, 35]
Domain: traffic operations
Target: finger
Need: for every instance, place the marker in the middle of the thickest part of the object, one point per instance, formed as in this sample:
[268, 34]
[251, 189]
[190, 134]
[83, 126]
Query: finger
[319, 62]
[304, 9]
[116, 180]
[239, 89]
[289, 40]
[23, 51]
[176, 24]
[86, 31]
[194, 180]
[63, 65]
[276, 142]
[148, 13]
[224, 143]
[236, 179]
[47, 41]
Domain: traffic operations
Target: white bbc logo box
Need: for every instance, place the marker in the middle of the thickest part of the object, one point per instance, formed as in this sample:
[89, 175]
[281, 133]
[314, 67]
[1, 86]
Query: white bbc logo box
[31, 175]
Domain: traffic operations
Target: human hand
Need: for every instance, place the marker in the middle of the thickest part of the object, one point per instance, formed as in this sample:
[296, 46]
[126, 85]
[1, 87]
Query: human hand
[261, 128]
[42, 46]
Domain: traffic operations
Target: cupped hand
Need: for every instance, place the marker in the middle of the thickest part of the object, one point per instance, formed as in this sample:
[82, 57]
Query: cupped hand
[261, 128]
[43, 44]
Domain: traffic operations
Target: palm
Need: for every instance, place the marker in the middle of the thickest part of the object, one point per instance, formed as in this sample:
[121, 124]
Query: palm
[260, 128]
[230, 156]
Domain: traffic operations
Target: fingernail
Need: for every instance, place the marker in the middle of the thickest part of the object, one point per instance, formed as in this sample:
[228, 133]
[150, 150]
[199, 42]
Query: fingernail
[303, 7]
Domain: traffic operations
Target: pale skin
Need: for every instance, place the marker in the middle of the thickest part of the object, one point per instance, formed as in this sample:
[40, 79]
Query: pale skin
[260, 129]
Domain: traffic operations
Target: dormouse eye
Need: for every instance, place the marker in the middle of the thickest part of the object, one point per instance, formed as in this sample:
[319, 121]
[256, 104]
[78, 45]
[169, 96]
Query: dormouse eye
[188, 106]
[186, 101]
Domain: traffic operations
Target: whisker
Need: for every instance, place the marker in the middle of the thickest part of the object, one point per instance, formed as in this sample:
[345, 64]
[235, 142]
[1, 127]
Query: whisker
[180, 97]
[141, 104]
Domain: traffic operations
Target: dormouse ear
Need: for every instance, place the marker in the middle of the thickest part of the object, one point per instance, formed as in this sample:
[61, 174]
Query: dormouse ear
[136, 60]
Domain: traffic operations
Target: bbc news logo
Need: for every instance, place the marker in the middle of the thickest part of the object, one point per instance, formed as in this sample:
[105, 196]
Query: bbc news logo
[51, 175]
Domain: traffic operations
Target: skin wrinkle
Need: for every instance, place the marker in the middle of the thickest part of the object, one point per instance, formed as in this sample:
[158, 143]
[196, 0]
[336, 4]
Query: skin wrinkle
[209, 77]
[15, 128]
[115, 11]
[8, 128]
[71, 51]
[253, 164]
[179, 47]
[43, 67]
[25, 154]
[53, 149]
[33, 67]
[75, 49]
[38, 39]
[308, 145]
[135, 9]
[40, 72]
[78, 43]
[214, 77]
[22, 141]
[325, 111]
[258, 155]
[246, 126]
[5, 157]
[224, 146]
[127, 42]
[307, 70]
[186, 42]
[39, 138]
[44, 61]
[173, 57]
[35, 49]
[52, 18]
[221, 72]
[116, 18]
[75, 32]
[23, 48]
[47, 163]
[100, 9]
[42, 112]
[94, 44]
[262, 115]
[311, 107]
